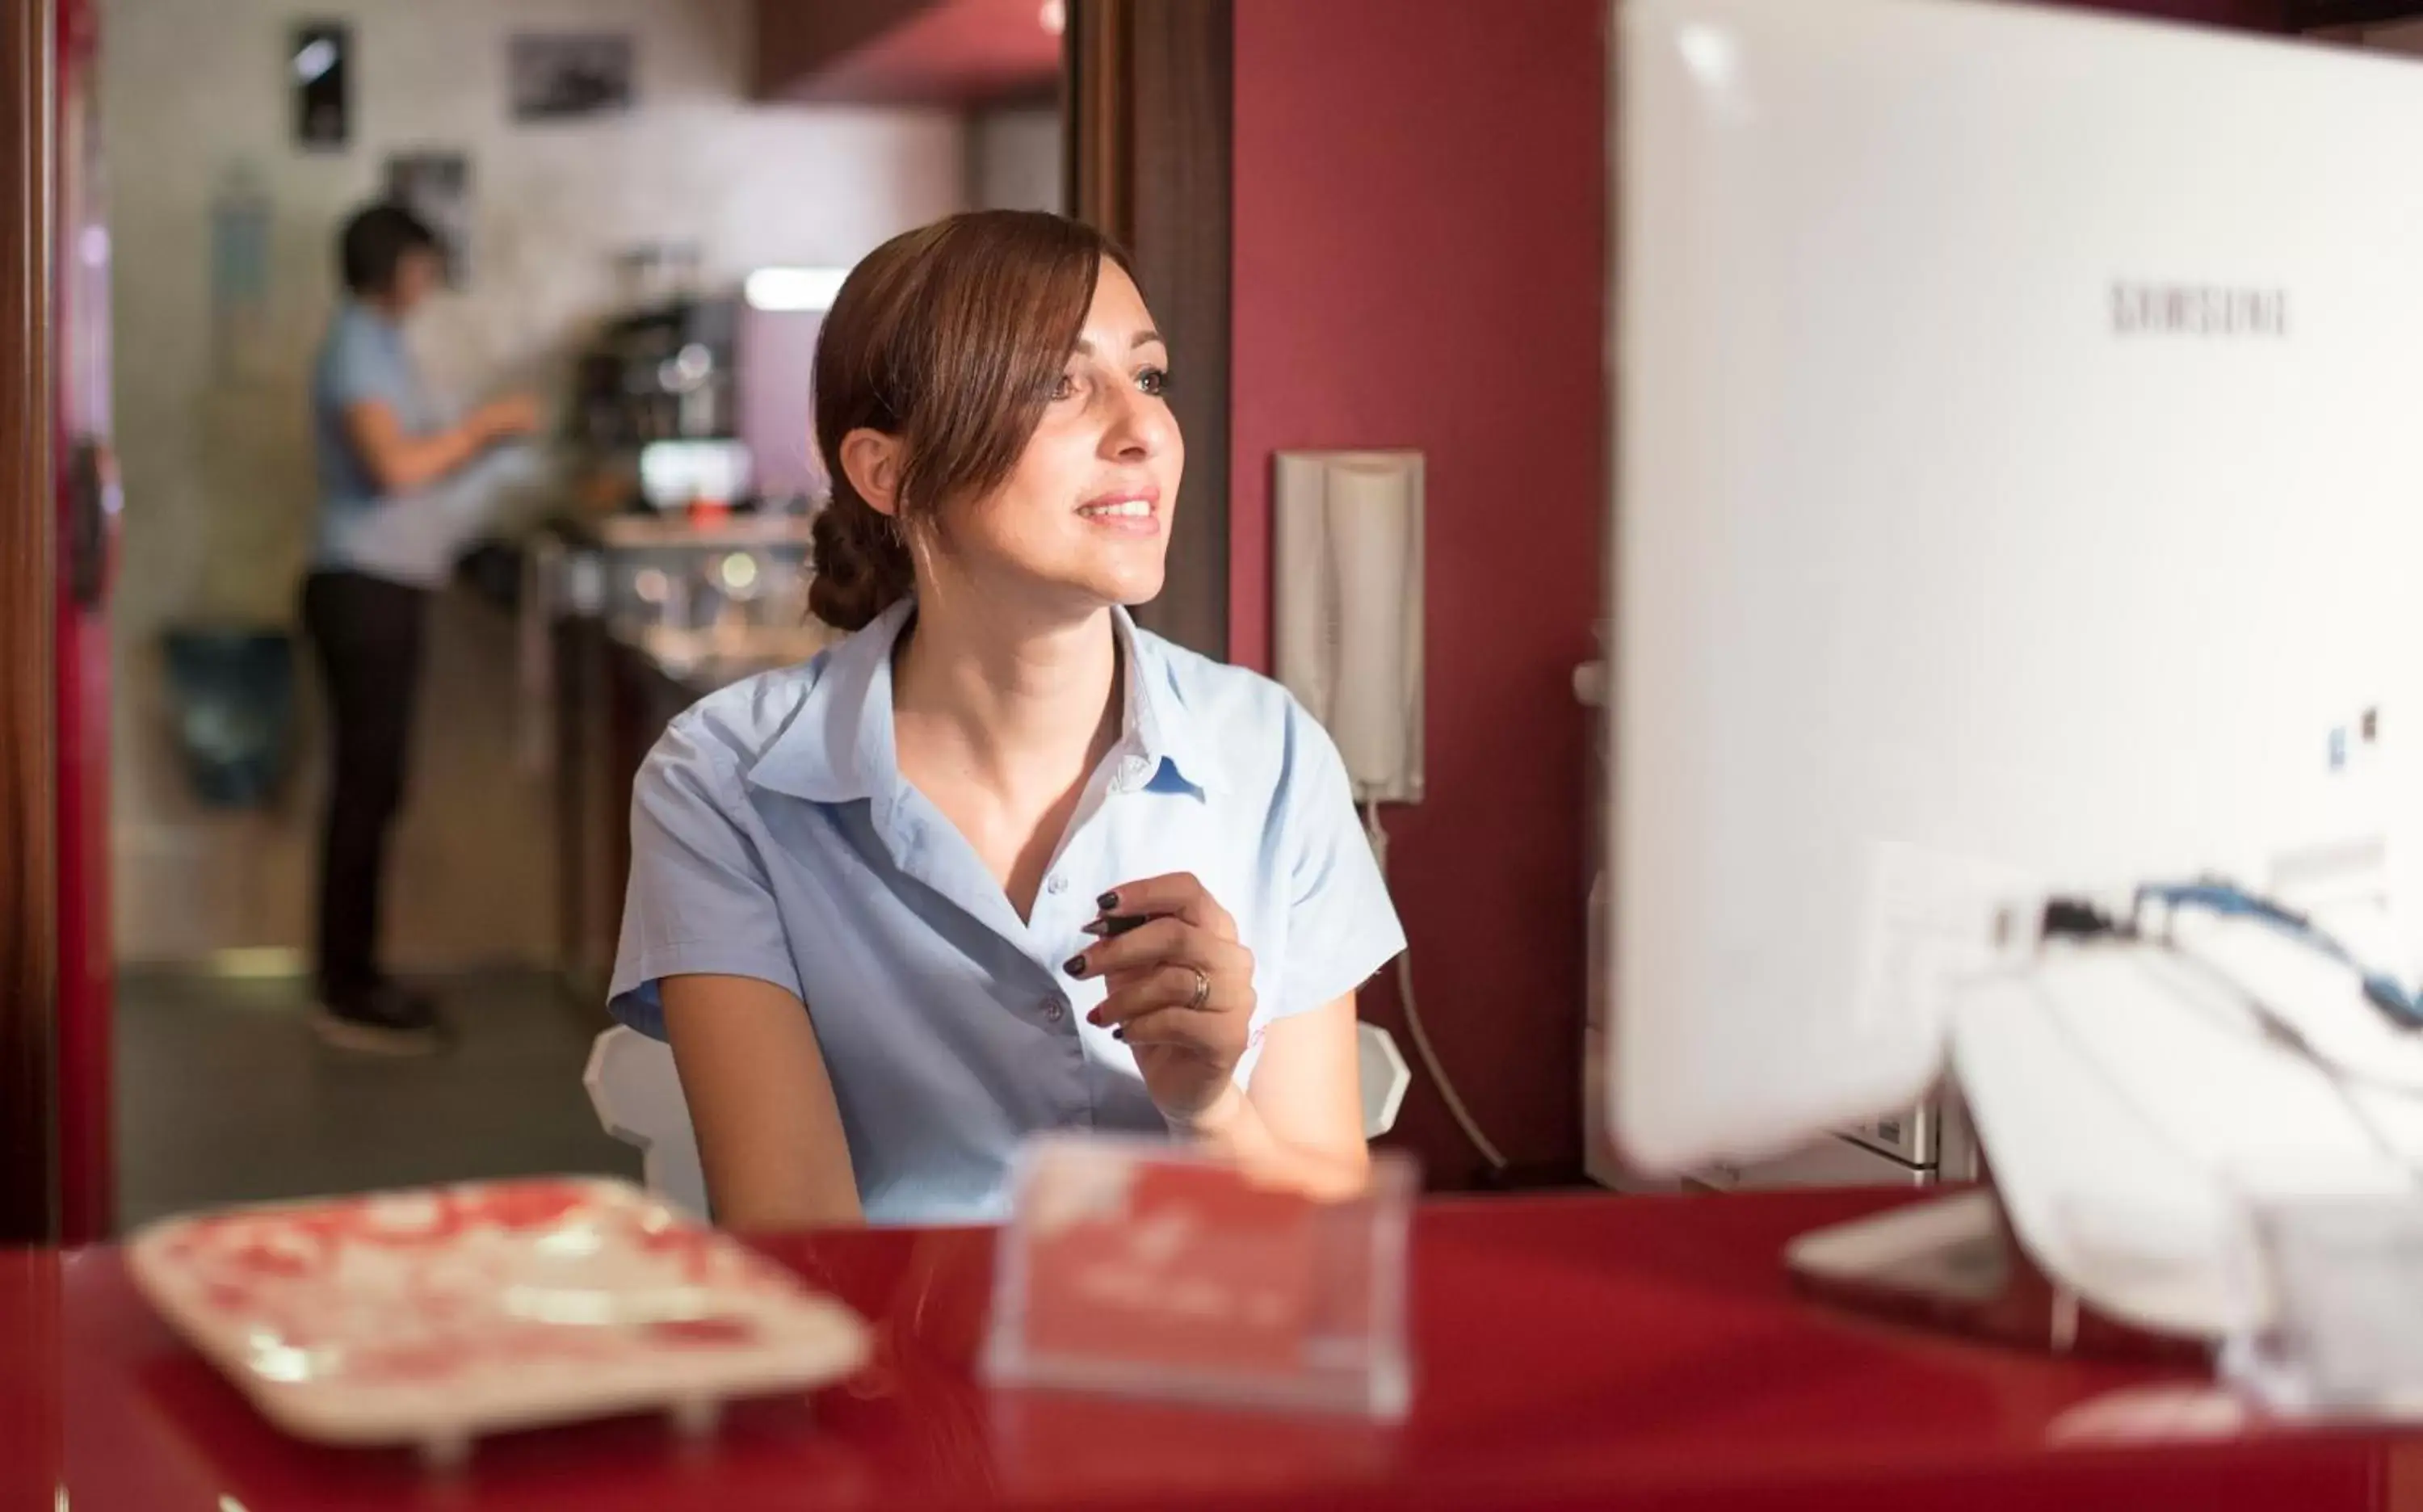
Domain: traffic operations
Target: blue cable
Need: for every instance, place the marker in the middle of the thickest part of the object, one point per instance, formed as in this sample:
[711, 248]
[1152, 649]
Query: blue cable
[2382, 990]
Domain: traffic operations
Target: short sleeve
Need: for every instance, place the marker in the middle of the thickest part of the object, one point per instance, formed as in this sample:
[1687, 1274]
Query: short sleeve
[699, 901]
[1341, 925]
[362, 367]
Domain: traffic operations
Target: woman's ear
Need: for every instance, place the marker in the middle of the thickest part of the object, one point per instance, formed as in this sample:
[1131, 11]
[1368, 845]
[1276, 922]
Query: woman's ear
[871, 461]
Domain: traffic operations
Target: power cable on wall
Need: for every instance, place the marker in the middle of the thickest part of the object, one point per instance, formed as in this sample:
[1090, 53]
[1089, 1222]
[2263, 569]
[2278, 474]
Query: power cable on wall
[1464, 1120]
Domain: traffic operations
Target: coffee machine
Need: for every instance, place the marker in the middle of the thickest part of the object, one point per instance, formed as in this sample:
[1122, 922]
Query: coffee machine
[664, 373]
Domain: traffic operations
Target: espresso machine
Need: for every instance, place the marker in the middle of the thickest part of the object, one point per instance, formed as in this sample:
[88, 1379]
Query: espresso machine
[660, 374]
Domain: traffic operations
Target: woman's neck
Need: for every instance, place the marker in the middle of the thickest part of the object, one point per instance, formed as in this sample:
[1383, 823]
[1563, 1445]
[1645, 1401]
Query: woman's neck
[1023, 706]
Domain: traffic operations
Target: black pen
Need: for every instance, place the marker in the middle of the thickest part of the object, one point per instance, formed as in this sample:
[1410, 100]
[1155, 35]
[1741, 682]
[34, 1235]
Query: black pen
[1111, 926]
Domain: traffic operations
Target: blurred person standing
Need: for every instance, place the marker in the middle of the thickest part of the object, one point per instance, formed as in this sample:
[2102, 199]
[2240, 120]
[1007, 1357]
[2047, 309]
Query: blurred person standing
[404, 487]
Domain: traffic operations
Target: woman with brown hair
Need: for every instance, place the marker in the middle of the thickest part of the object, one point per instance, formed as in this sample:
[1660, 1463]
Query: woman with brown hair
[1001, 861]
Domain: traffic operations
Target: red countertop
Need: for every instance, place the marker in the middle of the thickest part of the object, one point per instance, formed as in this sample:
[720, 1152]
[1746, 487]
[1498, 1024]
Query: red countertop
[1572, 1352]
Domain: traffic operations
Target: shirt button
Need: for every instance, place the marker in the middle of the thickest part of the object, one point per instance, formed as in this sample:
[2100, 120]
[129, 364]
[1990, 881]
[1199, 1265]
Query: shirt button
[1057, 884]
[1053, 1010]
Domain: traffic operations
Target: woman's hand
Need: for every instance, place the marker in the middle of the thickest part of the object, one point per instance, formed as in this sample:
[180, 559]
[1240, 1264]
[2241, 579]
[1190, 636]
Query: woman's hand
[1181, 989]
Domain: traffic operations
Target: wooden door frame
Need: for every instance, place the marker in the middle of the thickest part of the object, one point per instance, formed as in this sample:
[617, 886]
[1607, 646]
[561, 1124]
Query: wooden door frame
[1148, 109]
[29, 1176]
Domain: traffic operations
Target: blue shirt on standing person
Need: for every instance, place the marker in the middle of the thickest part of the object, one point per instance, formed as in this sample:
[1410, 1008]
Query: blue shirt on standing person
[411, 537]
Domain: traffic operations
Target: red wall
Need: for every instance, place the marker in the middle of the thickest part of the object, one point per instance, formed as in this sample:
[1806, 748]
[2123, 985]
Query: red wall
[1419, 203]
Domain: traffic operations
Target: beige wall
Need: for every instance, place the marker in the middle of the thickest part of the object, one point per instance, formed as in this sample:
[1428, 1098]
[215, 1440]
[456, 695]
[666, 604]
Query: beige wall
[216, 462]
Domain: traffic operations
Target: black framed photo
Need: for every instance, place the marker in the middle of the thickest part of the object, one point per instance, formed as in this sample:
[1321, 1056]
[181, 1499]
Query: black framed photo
[568, 75]
[317, 55]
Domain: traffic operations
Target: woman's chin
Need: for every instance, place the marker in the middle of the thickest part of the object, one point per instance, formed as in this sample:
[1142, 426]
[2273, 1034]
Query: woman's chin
[1119, 583]
[1137, 589]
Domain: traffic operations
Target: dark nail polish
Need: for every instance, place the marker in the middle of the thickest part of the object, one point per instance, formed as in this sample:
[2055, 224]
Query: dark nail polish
[1108, 901]
[1075, 966]
[1120, 1034]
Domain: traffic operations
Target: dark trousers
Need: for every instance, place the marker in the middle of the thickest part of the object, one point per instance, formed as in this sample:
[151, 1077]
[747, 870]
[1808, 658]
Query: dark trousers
[368, 635]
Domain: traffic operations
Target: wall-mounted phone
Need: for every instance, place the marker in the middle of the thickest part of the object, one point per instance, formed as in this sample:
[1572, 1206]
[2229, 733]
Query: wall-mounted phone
[1347, 543]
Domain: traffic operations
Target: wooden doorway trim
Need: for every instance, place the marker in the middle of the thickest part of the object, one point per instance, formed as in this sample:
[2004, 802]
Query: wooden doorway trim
[1150, 90]
[29, 1184]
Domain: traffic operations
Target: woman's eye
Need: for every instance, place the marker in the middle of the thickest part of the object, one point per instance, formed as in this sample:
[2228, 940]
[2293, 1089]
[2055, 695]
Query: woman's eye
[1064, 387]
[1153, 381]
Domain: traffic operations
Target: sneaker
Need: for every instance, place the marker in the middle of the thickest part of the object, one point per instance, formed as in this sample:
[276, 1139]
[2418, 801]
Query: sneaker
[385, 1020]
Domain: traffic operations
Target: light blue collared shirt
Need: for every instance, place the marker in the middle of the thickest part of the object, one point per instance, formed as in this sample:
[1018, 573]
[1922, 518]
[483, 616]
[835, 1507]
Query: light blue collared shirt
[411, 538]
[773, 837]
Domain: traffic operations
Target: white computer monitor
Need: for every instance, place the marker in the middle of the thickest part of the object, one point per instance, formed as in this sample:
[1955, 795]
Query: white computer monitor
[2019, 422]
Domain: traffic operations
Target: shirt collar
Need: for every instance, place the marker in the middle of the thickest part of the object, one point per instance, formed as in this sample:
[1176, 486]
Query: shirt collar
[378, 318]
[1157, 724]
[838, 744]
[838, 747]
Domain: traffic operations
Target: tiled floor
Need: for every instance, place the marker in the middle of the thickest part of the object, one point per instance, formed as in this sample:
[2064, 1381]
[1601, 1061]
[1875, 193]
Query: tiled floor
[224, 1094]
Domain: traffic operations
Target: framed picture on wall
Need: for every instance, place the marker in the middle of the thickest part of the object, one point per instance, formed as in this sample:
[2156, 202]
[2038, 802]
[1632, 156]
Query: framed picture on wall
[566, 75]
[316, 54]
[436, 186]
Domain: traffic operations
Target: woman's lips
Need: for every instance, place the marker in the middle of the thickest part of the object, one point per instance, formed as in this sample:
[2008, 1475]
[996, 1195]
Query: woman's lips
[1123, 514]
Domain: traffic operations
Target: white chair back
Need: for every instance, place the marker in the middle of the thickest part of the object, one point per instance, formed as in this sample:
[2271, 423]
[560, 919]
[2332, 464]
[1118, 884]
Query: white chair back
[638, 1095]
[1382, 1070]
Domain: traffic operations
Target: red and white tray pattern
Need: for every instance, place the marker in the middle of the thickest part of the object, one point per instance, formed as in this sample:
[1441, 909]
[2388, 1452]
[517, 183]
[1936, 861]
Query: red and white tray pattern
[437, 1315]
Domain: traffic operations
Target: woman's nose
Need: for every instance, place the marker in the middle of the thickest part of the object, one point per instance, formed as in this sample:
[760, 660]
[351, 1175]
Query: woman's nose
[1141, 425]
